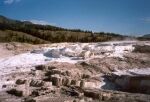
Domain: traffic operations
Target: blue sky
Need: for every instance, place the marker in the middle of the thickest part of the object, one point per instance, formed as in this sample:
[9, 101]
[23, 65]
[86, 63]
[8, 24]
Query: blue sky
[130, 17]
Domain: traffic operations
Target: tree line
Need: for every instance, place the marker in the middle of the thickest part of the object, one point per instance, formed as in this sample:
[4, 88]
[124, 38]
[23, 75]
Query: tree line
[53, 34]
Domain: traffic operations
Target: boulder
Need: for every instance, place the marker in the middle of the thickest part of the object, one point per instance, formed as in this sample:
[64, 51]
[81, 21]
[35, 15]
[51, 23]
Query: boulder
[21, 90]
[73, 91]
[66, 73]
[105, 96]
[82, 84]
[87, 84]
[53, 71]
[40, 67]
[75, 82]
[92, 84]
[29, 99]
[25, 89]
[36, 83]
[47, 84]
[76, 93]
[35, 93]
[66, 81]
[15, 92]
[4, 86]
[84, 76]
[56, 80]
[56, 71]
[39, 74]
[93, 94]
[20, 81]
[51, 67]
[55, 53]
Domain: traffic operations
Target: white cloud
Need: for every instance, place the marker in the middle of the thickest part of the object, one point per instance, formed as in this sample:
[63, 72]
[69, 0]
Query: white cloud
[42, 22]
[10, 1]
[39, 22]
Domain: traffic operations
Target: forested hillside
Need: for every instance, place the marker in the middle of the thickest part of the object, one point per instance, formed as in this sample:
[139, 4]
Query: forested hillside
[25, 31]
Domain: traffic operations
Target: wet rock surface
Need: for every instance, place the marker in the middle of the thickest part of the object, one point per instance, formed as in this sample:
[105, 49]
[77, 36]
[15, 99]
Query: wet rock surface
[131, 82]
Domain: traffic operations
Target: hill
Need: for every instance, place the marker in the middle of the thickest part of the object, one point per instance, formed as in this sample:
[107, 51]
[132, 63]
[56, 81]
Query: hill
[25, 31]
[147, 36]
[144, 37]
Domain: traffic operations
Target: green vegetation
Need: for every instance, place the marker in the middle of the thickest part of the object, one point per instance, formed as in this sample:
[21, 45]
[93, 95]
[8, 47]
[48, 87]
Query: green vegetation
[14, 30]
[10, 36]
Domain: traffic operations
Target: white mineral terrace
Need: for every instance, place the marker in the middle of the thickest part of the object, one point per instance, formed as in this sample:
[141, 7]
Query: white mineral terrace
[64, 52]
[67, 52]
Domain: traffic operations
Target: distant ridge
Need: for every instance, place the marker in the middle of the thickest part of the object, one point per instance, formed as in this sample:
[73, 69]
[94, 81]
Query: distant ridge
[146, 36]
[26, 31]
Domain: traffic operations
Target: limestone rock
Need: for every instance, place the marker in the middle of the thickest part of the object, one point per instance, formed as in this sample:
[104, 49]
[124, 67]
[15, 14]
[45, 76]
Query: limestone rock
[105, 96]
[35, 93]
[29, 100]
[21, 90]
[15, 92]
[40, 67]
[84, 76]
[92, 84]
[66, 73]
[55, 53]
[51, 67]
[82, 83]
[36, 83]
[56, 71]
[25, 89]
[39, 73]
[75, 82]
[56, 80]
[47, 84]
[53, 71]
[92, 94]
[20, 81]
[66, 81]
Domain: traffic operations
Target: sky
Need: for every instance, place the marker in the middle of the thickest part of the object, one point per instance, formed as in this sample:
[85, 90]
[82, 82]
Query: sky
[130, 17]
